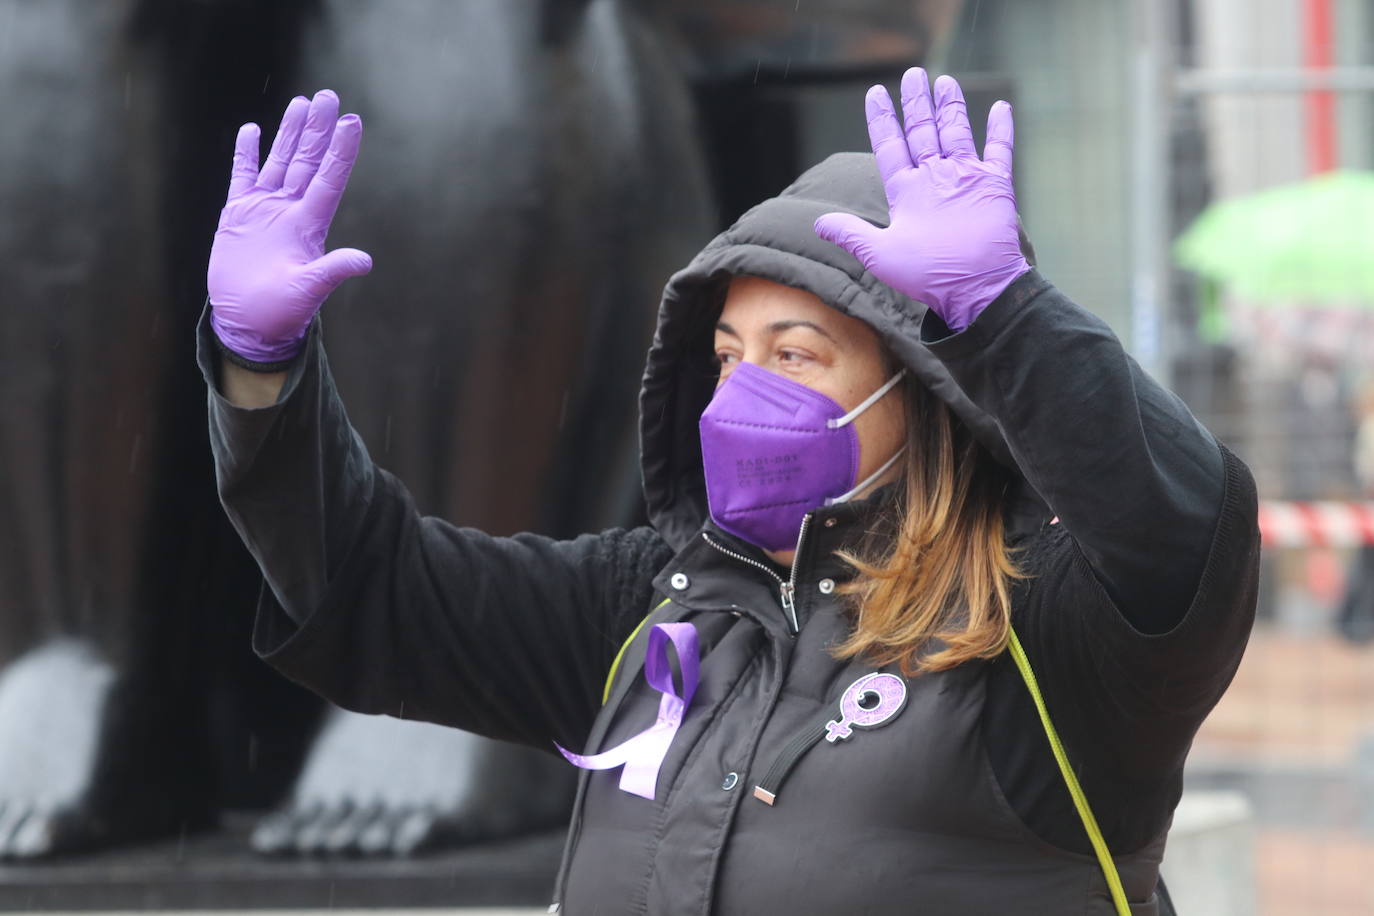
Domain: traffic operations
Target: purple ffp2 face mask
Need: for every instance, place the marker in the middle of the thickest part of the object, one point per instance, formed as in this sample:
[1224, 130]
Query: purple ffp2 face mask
[773, 449]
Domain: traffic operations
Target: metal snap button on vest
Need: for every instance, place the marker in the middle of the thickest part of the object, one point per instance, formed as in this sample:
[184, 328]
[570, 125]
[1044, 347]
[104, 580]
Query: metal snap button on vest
[826, 586]
[679, 581]
[730, 781]
[830, 522]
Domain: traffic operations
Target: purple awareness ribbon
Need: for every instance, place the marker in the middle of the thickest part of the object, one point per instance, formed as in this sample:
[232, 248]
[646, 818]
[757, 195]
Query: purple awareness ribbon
[643, 754]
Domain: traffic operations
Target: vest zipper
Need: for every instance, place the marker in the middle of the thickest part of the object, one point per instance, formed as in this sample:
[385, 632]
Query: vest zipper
[787, 590]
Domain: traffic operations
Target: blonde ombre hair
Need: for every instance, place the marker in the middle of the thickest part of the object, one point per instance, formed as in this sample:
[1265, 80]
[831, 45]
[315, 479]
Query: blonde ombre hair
[934, 581]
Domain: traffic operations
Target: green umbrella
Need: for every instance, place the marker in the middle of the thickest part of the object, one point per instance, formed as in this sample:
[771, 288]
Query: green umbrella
[1306, 244]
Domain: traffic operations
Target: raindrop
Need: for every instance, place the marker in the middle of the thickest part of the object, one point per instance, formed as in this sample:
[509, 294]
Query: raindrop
[128, 89]
[133, 452]
[265, 82]
[386, 447]
[757, 67]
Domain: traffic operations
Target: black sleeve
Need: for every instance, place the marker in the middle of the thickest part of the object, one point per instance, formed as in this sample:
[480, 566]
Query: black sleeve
[1126, 704]
[1134, 478]
[1138, 604]
[382, 610]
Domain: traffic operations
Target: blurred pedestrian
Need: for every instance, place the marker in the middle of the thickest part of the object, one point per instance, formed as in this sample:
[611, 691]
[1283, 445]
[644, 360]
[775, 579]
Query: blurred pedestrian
[1355, 619]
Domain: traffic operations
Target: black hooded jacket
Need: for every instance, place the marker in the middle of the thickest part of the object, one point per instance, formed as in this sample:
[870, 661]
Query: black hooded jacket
[1136, 530]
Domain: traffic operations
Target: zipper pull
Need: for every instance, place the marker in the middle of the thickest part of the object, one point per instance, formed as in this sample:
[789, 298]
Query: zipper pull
[787, 591]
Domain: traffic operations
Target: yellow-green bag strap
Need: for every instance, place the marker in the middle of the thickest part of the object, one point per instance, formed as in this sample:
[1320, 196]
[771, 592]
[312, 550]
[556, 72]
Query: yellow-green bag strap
[615, 665]
[1080, 801]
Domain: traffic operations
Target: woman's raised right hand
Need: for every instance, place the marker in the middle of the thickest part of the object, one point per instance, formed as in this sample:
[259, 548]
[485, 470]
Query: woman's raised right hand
[269, 272]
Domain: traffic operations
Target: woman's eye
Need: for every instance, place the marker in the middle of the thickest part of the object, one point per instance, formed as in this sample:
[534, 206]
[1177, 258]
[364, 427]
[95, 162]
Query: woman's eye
[725, 358]
[791, 356]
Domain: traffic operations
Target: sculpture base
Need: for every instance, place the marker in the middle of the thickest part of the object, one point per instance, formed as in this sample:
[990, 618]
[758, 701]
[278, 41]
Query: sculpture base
[216, 870]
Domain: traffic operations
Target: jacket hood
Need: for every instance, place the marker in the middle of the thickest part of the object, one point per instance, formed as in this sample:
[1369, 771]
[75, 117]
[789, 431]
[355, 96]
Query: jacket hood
[773, 240]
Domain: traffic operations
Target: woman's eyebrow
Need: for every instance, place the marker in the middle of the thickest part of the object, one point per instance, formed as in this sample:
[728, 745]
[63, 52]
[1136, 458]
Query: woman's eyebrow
[778, 327]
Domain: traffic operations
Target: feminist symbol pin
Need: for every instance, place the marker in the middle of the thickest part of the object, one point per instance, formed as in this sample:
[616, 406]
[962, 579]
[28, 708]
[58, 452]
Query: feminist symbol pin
[867, 703]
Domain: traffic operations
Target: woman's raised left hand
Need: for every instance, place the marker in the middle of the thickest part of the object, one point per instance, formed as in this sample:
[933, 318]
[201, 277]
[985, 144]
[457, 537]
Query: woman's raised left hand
[952, 242]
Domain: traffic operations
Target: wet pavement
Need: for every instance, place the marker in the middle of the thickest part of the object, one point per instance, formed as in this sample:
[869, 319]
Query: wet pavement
[331, 912]
[216, 871]
[1295, 734]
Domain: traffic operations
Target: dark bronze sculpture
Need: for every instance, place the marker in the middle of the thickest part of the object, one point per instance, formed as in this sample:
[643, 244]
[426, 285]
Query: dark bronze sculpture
[129, 599]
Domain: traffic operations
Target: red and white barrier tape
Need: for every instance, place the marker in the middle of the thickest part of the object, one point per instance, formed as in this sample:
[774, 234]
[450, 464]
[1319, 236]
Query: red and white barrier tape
[1316, 524]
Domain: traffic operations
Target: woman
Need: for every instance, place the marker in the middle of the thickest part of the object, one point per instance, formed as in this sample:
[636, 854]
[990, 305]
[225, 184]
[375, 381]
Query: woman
[856, 501]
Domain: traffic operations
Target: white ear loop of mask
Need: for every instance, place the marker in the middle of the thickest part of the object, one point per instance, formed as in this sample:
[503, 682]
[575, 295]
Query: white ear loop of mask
[849, 418]
[866, 403]
[845, 497]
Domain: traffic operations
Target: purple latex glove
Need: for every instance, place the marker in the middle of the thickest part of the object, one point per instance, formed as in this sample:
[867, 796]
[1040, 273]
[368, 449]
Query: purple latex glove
[952, 242]
[269, 273]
